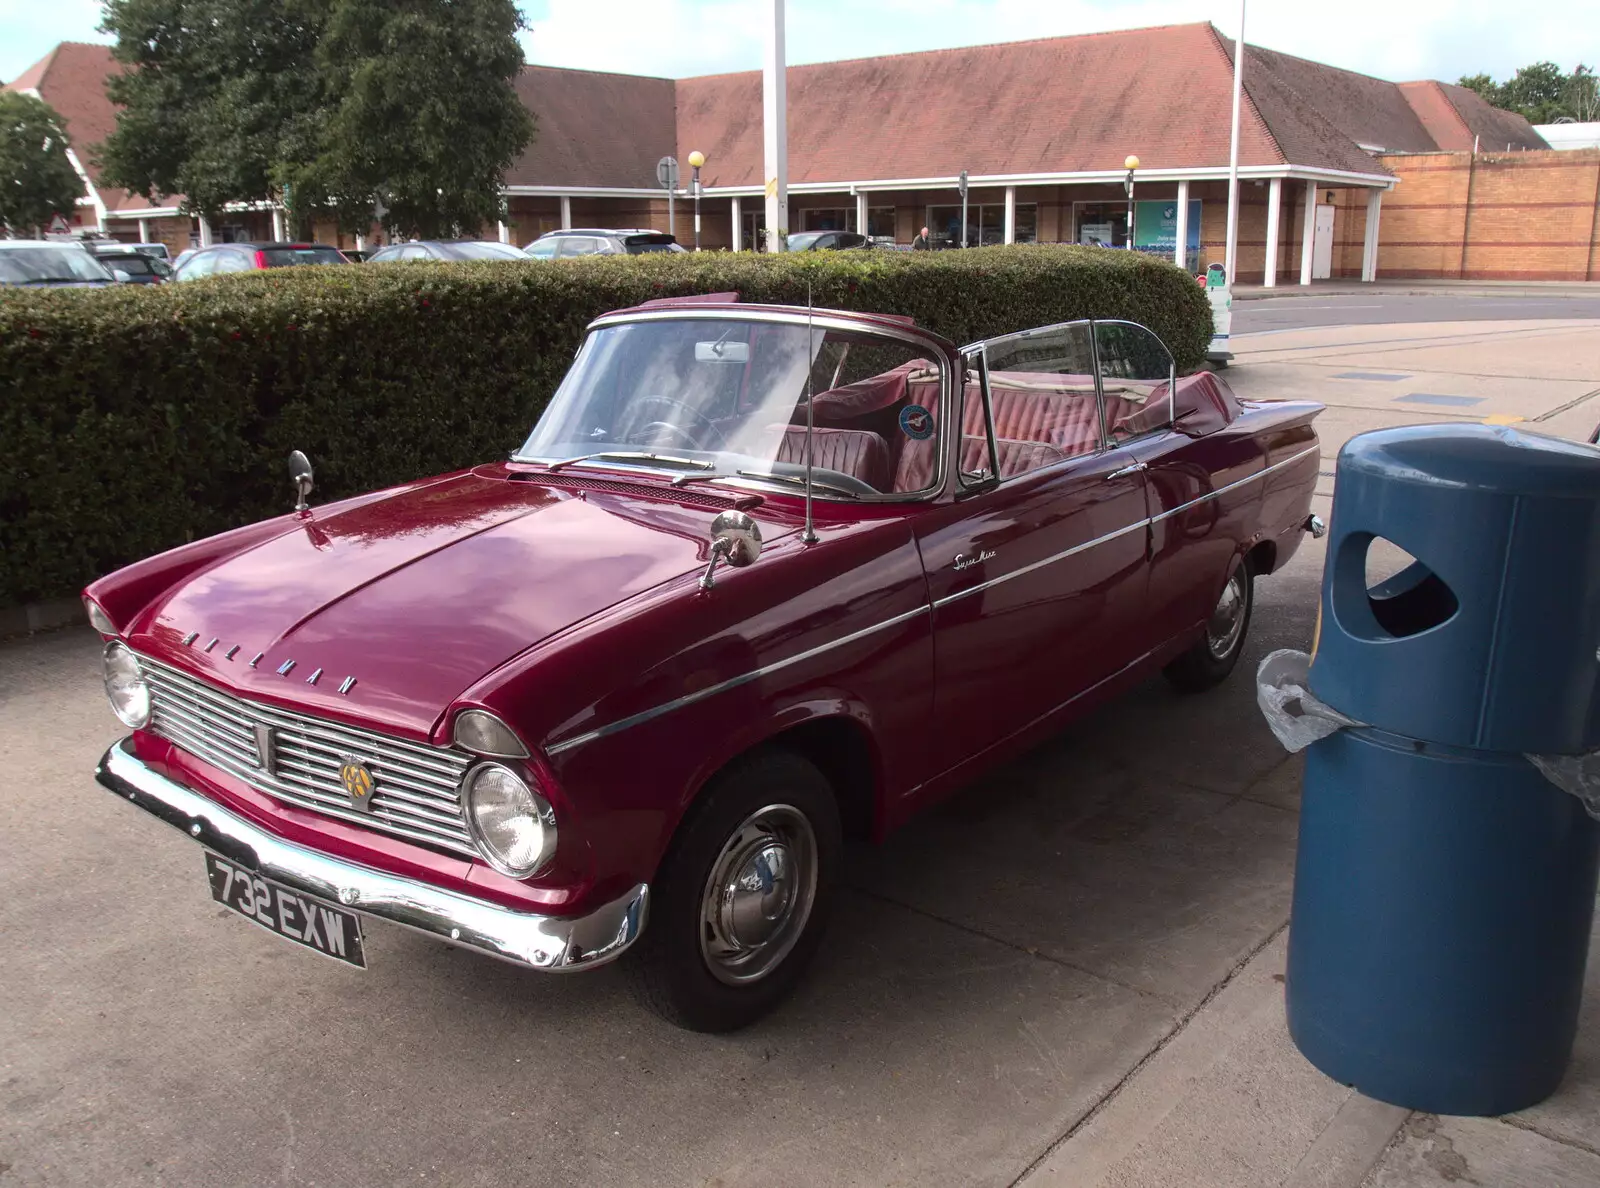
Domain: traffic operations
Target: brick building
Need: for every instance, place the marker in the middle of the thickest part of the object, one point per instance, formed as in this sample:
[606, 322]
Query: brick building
[1413, 179]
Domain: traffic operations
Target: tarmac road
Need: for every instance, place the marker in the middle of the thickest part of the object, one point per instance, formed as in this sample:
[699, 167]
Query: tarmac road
[1260, 314]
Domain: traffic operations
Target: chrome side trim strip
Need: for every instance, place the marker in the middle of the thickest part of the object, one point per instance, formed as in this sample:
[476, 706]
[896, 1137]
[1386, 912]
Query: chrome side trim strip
[666, 708]
[732, 683]
[549, 943]
[1051, 560]
[1249, 478]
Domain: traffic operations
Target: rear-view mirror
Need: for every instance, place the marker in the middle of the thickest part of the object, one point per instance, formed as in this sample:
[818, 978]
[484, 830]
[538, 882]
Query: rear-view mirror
[722, 352]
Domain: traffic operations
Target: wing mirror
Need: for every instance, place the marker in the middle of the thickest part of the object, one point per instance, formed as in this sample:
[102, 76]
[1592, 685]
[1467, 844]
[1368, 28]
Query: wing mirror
[300, 473]
[735, 539]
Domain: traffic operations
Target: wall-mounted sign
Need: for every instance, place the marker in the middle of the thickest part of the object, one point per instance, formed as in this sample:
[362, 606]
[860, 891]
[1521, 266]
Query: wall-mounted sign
[1155, 225]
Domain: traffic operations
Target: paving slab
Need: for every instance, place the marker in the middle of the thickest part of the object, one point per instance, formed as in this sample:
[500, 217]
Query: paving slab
[1481, 1151]
[1228, 1102]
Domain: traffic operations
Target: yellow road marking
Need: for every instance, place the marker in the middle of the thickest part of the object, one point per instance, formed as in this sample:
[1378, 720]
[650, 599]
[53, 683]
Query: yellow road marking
[1502, 419]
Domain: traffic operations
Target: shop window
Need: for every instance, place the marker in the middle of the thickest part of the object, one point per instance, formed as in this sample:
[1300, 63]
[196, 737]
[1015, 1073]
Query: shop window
[986, 223]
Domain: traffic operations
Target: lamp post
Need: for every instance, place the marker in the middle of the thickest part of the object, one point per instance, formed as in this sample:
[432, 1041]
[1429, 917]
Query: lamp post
[1131, 162]
[696, 159]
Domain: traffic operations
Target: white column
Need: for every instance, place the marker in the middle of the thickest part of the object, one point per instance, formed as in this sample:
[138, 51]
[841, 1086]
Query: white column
[1308, 232]
[861, 212]
[1180, 249]
[1274, 202]
[505, 232]
[736, 206]
[144, 230]
[1011, 215]
[1369, 249]
[775, 130]
[361, 243]
[566, 212]
[278, 232]
[205, 231]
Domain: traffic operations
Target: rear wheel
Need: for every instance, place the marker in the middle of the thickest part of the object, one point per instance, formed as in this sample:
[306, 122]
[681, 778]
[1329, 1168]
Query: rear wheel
[1213, 656]
[741, 900]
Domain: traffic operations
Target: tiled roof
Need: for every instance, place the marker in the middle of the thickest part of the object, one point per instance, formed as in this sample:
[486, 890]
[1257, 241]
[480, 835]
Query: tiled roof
[1363, 109]
[72, 79]
[1496, 128]
[1446, 129]
[1059, 105]
[594, 129]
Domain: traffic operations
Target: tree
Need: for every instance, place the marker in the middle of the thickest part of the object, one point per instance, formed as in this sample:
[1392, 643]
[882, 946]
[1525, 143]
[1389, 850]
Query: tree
[37, 181]
[331, 107]
[428, 119]
[1541, 93]
[1582, 95]
[219, 98]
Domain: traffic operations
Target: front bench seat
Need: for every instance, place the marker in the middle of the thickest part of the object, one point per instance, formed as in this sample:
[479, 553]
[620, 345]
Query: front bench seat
[854, 452]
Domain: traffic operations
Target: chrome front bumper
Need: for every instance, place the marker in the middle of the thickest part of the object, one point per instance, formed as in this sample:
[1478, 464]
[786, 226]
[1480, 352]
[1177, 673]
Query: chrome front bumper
[540, 942]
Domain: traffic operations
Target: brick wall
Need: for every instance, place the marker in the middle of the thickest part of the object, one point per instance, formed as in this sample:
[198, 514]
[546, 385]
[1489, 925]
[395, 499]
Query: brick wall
[1492, 216]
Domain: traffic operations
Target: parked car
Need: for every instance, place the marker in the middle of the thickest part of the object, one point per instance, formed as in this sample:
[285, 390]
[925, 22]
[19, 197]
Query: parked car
[137, 267]
[156, 250]
[446, 249]
[626, 691]
[822, 241]
[37, 262]
[245, 257]
[589, 241]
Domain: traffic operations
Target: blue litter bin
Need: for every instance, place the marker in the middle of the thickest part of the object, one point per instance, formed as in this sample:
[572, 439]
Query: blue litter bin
[1444, 888]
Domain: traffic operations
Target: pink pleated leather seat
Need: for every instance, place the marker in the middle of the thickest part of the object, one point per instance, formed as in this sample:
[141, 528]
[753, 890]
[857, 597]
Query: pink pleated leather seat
[854, 452]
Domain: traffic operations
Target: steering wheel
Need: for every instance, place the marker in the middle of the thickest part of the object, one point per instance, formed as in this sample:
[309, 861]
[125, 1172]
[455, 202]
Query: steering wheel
[688, 439]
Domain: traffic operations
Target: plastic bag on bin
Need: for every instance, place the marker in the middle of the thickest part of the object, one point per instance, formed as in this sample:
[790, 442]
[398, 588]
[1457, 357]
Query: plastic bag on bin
[1295, 715]
[1577, 774]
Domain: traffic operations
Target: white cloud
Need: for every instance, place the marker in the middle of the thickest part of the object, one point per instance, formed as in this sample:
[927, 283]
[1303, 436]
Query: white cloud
[1389, 38]
[1422, 39]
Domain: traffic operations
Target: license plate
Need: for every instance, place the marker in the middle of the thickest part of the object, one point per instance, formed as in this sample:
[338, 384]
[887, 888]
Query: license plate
[322, 927]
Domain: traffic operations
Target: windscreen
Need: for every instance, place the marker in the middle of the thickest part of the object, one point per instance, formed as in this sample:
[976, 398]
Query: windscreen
[480, 251]
[133, 263]
[804, 240]
[50, 264]
[285, 257]
[726, 398]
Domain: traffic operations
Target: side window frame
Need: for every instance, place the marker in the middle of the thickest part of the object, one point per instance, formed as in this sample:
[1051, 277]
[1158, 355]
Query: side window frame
[989, 478]
[983, 347]
[1170, 424]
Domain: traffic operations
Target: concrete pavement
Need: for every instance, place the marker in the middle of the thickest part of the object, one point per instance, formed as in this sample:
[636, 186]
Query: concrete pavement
[1070, 974]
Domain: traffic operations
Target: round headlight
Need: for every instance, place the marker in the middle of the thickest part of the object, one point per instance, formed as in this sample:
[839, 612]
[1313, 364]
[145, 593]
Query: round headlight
[513, 826]
[125, 685]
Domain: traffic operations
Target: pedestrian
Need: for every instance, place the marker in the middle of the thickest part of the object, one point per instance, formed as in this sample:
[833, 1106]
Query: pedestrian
[922, 242]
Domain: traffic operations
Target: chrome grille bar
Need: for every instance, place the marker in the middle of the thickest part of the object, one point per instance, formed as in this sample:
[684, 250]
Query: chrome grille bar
[414, 786]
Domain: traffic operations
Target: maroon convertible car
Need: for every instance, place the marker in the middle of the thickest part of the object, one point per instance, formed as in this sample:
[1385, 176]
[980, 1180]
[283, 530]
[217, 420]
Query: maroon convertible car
[760, 578]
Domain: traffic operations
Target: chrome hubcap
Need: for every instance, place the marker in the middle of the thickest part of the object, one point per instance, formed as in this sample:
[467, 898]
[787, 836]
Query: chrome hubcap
[759, 895]
[1227, 620]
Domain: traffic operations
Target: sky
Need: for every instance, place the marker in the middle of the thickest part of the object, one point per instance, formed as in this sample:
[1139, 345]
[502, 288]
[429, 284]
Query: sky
[1394, 39]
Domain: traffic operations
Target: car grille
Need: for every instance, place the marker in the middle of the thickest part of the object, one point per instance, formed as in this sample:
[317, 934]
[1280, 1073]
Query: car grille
[415, 787]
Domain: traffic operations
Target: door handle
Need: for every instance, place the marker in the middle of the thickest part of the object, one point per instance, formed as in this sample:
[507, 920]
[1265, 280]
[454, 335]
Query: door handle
[1125, 471]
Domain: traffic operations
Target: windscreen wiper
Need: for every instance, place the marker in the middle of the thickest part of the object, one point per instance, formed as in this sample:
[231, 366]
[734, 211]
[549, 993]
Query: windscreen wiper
[792, 479]
[631, 456]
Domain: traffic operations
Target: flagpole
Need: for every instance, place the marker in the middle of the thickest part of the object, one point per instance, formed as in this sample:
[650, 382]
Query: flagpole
[775, 131]
[1232, 250]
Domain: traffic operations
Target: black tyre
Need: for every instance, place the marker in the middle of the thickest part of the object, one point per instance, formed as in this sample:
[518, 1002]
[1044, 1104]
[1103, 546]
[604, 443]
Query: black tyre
[740, 902]
[1214, 654]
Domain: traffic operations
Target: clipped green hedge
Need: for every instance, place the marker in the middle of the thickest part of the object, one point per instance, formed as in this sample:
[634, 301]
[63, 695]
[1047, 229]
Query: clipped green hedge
[134, 419]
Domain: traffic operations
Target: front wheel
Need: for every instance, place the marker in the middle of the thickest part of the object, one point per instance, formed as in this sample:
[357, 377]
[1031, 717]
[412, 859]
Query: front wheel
[1213, 656]
[742, 897]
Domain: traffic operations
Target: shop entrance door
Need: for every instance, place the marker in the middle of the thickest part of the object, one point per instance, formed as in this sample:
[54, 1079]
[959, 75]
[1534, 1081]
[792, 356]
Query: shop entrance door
[1322, 245]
